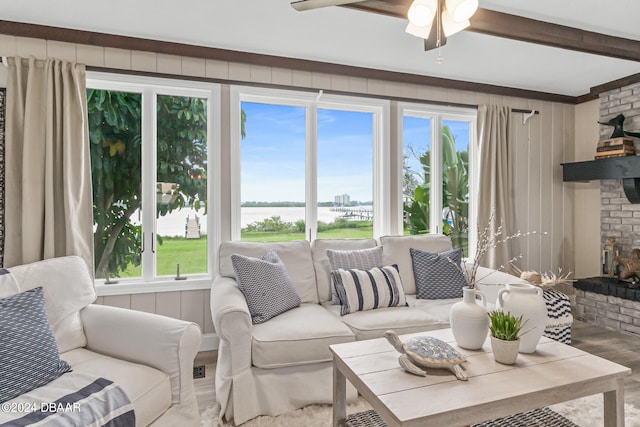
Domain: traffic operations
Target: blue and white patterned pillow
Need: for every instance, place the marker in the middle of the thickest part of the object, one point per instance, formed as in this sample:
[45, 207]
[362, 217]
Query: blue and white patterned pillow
[361, 259]
[265, 284]
[436, 274]
[28, 351]
[361, 290]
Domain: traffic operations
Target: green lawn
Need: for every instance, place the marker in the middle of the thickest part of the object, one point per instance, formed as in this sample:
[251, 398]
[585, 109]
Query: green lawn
[192, 254]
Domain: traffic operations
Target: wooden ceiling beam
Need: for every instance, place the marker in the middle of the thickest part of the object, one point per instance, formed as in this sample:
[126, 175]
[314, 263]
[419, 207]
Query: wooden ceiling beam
[528, 30]
[498, 24]
[20, 29]
[107, 40]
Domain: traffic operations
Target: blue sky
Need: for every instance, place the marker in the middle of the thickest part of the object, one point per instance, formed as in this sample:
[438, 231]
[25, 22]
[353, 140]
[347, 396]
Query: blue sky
[273, 152]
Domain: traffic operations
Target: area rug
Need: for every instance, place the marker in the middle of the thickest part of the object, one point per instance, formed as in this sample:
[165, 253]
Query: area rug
[585, 412]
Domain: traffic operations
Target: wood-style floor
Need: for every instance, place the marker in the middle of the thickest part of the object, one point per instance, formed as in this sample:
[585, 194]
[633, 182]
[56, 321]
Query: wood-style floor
[614, 346]
[205, 387]
[620, 348]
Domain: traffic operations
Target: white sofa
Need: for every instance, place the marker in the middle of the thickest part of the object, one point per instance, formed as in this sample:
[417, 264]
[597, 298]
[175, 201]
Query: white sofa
[149, 356]
[285, 363]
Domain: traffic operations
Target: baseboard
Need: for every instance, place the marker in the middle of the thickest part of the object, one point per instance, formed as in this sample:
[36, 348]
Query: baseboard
[209, 342]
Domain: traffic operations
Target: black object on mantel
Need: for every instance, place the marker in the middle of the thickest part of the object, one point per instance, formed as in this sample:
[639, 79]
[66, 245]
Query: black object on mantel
[625, 168]
[609, 286]
[617, 123]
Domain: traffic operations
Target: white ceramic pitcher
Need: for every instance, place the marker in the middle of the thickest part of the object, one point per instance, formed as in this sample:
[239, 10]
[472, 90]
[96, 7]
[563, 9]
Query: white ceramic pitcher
[525, 300]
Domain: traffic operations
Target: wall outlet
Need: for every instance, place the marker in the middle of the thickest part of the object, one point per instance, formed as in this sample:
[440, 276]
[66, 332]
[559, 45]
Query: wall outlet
[198, 372]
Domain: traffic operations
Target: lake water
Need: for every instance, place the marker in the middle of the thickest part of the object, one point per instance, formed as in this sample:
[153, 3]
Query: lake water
[174, 224]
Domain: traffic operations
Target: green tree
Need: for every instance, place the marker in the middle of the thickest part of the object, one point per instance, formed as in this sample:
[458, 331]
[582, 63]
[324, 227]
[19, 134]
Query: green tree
[417, 207]
[455, 193]
[455, 190]
[116, 153]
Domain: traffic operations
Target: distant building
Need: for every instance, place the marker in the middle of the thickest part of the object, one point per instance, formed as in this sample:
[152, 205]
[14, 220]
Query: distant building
[342, 200]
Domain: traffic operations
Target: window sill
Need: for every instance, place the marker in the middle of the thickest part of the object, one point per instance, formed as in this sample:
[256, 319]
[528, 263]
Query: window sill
[163, 285]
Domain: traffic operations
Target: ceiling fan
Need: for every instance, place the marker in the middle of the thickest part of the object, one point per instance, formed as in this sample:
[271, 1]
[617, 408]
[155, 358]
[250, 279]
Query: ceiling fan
[432, 20]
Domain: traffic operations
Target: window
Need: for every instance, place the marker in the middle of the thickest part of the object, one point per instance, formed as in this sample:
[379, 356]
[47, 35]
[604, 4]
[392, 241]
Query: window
[439, 172]
[273, 154]
[345, 174]
[309, 165]
[151, 162]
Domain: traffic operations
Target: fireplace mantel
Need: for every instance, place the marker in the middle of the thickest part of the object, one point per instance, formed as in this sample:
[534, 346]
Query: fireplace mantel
[625, 168]
[610, 286]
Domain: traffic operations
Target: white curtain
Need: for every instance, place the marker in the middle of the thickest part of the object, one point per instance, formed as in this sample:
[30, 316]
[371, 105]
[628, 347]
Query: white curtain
[48, 172]
[496, 204]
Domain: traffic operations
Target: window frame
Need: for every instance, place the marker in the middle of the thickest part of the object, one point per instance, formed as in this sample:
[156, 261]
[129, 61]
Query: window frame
[312, 101]
[150, 88]
[438, 114]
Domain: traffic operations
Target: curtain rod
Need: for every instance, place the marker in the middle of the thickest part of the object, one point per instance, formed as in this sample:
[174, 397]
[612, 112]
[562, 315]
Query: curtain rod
[526, 115]
[277, 86]
[520, 110]
[4, 61]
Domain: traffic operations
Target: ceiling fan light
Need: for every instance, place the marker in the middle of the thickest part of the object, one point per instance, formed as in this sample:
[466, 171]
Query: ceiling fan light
[422, 32]
[462, 10]
[449, 26]
[421, 12]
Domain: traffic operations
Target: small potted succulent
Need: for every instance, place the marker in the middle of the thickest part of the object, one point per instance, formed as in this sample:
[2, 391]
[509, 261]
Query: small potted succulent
[505, 330]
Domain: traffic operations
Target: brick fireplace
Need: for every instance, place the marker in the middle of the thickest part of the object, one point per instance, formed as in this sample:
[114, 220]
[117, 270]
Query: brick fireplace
[605, 302]
[618, 217]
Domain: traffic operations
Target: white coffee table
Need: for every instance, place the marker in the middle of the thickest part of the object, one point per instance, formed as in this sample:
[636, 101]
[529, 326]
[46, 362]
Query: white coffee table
[554, 373]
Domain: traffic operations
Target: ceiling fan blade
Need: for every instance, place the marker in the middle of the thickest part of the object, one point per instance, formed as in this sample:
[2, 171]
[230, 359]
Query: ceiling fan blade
[316, 4]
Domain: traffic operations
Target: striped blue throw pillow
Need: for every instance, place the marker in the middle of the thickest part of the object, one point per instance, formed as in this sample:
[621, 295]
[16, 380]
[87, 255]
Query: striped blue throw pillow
[361, 290]
[361, 259]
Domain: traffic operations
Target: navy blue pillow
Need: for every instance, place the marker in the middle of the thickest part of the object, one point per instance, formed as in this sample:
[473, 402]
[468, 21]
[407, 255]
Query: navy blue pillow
[28, 354]
[436, 274]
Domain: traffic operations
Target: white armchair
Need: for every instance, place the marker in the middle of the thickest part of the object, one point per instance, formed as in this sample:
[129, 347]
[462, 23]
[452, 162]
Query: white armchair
[149, 356]
[160, 342]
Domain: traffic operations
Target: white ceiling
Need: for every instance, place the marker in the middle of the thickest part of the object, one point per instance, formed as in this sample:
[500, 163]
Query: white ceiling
[345, 36]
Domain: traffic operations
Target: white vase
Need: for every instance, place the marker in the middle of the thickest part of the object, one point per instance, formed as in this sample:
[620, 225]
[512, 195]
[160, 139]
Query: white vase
[525, 300]
[505, 352]
[469, 320]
